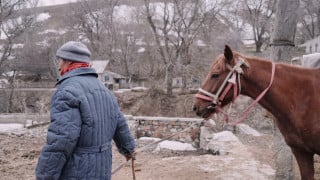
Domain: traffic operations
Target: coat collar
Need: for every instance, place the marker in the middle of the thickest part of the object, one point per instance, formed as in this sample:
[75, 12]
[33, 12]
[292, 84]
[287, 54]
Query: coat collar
[77, 72]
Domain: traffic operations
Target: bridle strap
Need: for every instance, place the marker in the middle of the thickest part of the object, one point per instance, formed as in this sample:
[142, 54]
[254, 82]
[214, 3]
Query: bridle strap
[220, 96]
[209, 95]
[231, 83]
[204, 97]
[246, 113]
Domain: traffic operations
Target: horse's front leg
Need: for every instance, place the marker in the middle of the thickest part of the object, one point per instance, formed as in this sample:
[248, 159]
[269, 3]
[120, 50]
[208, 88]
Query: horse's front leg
[305, 162]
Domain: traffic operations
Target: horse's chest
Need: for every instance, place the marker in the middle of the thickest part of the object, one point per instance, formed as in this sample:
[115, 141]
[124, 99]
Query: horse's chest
[303, 138]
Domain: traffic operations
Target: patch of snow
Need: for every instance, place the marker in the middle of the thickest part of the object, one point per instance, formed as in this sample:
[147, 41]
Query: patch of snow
[200, 43]
[15, 46]
[116, 50]
[224, 136]
[43, 43]
[124, 13]
[43, 17]
[2, 35]
[149, 139]
[8, 74]
[60, 32]
[122, 90]
[248, 41]
[141, 50]
[169, 145]
[3, 83]
[140, 42]
[11, 57]
[139, 89]
[175, 146]
[10, 127]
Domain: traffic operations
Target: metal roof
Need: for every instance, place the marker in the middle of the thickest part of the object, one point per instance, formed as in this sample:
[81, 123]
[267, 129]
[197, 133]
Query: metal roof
[99, 65]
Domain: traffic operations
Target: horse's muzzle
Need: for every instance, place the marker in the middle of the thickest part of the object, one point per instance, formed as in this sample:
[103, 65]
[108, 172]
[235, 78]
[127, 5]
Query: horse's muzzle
[206, 112]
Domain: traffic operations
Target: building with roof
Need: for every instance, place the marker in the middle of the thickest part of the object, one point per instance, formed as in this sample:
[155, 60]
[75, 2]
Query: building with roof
[110, 79]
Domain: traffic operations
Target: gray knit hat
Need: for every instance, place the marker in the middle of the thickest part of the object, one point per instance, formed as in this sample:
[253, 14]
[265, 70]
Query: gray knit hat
[74, 51]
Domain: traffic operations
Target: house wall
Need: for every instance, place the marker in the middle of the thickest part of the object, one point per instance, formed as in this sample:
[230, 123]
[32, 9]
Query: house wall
[114, 83]
[101, 77]
[123, 84]
[313, 46]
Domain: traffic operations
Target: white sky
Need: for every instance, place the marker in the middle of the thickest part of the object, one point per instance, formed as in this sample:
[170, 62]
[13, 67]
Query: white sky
[54, 2]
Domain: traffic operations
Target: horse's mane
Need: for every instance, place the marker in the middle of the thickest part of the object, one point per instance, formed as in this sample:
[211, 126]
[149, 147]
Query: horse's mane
[255, 58]
[219, 63]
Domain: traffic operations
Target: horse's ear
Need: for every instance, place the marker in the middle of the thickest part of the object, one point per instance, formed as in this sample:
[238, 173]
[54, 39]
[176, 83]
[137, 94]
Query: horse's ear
[228, 54]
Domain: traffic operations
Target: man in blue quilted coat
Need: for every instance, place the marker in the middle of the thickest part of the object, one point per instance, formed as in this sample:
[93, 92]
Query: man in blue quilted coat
[85, 118]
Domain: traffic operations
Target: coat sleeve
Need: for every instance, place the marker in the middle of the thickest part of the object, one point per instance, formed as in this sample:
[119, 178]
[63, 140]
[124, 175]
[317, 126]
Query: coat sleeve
[122, 137]
[62, 136]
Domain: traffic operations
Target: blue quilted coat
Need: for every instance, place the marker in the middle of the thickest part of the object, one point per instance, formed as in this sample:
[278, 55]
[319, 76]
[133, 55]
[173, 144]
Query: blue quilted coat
[85, 118]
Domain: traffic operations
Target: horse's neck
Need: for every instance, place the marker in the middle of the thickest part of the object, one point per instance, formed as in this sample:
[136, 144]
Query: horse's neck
[290, 87]
[256, 79]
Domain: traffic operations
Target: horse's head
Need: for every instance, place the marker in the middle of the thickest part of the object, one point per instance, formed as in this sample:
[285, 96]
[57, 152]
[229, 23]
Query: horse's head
[221, 85]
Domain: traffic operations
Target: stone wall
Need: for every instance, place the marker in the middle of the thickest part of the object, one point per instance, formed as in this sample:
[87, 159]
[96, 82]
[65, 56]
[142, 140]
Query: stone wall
[140, 126]
[162, 127]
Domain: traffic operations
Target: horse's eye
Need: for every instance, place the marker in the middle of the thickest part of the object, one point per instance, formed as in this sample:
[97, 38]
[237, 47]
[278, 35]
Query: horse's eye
[214, 75]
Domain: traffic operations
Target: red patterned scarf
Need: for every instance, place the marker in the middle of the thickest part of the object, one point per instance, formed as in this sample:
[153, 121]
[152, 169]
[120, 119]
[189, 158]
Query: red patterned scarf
[72, 66]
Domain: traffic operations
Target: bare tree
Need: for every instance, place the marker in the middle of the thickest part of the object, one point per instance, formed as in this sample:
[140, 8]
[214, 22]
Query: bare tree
[234, 13]
[310, 18]
[14, 21]
[126, 42]
[94, 21]
[258, 14]
[175, 25]
[116, 41]
[36, 61]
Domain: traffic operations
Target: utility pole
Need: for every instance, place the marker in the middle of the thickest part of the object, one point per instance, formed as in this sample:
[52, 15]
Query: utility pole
[282, 46]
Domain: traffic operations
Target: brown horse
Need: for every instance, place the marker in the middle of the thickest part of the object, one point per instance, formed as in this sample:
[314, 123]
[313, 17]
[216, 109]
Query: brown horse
[290, 93]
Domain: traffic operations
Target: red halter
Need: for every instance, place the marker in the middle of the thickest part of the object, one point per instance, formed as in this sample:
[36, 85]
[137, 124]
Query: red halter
[231, 80]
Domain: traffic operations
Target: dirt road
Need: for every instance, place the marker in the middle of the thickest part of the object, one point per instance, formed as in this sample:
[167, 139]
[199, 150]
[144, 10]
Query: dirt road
[19, 153]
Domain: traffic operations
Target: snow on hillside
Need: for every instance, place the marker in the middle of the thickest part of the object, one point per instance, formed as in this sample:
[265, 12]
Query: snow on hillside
[43, 17]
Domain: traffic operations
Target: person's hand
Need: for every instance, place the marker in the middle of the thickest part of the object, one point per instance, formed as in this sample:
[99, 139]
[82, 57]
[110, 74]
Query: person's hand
[132, 155]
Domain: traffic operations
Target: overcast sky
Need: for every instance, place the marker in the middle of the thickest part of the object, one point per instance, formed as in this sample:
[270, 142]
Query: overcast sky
[53, 2]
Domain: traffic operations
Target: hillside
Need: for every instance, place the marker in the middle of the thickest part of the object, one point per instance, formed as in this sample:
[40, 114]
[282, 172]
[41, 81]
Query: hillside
[156, 103]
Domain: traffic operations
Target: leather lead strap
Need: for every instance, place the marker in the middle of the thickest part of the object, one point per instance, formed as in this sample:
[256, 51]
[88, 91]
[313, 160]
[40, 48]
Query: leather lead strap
[132, 167]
